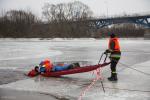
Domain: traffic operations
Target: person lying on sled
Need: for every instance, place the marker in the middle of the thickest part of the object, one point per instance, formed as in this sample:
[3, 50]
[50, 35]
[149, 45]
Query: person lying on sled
[47, 66]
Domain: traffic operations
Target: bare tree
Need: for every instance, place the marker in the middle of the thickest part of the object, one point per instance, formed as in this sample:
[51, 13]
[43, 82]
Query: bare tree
[61, 16]
[17, 23]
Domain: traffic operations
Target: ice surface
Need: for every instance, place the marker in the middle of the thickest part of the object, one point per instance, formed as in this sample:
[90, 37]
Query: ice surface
[22, 55]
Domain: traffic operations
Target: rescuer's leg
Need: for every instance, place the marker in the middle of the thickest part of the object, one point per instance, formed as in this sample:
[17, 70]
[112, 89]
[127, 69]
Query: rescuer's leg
[113, 65]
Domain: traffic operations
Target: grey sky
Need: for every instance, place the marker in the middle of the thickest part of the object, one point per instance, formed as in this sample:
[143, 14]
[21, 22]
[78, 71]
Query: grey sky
[99, 7]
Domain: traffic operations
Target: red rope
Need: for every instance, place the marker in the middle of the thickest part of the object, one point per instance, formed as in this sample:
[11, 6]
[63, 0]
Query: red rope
[97, 73]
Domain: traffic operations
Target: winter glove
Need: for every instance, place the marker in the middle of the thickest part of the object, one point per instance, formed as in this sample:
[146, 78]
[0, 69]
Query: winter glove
[107, 51]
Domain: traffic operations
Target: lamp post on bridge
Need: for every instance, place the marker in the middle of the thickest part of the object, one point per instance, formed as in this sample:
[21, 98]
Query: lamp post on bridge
[106, 3]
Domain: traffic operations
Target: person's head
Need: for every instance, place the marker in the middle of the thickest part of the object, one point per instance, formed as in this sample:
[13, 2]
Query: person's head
[48, 62]
[112, 35]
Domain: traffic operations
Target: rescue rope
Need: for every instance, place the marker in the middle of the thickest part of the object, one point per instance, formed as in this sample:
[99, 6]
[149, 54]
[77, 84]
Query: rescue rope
[134, 69]
[97, 73]
[127, 89]
[137, 51]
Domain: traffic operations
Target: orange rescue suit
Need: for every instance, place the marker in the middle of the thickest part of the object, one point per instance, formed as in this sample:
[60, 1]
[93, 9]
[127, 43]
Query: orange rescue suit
[48, 65]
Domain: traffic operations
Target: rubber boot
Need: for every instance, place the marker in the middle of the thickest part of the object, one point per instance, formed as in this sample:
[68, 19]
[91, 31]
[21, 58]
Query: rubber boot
[74, 65]
[110, 77]
[113, 77]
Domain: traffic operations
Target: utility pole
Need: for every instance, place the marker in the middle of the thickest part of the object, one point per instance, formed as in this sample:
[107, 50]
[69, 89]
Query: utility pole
[106, 3]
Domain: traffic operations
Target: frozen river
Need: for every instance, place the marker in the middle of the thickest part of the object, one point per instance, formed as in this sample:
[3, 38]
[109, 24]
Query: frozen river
[19, 56]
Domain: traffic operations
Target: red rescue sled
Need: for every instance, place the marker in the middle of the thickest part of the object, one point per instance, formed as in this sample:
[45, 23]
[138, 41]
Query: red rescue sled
[75, 70]
[32, 73]
[82, 69]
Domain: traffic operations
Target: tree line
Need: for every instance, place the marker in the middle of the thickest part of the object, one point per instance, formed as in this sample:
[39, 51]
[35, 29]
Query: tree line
[65, 20]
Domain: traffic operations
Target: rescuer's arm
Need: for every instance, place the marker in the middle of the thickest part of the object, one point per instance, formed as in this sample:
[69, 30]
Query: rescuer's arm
[111, 49]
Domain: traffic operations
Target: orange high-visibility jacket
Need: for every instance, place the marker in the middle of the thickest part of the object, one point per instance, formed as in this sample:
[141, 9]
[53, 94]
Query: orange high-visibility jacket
[116, 46]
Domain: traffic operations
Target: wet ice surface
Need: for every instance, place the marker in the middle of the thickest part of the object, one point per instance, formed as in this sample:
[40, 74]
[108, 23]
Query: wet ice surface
[18, 57]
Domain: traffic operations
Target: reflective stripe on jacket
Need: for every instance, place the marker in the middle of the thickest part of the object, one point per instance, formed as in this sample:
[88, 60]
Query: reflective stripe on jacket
[115, 55]
[114, 47]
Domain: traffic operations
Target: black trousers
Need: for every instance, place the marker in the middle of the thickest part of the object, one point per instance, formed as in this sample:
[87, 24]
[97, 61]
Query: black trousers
[114, 62]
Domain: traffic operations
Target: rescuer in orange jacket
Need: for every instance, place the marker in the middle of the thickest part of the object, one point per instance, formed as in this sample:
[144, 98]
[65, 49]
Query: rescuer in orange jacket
[115, 54]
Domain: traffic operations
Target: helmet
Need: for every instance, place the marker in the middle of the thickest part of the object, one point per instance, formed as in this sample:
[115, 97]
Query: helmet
[112, 35]
[47, 60]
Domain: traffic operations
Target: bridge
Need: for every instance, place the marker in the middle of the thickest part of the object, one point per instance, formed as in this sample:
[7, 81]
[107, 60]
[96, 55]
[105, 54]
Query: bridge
[102, 22]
